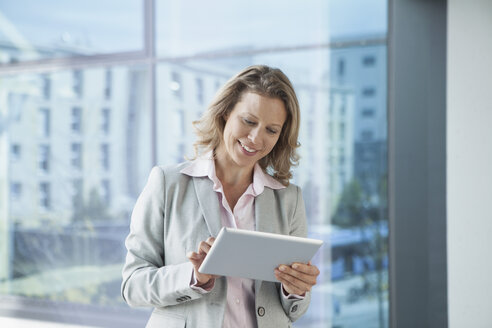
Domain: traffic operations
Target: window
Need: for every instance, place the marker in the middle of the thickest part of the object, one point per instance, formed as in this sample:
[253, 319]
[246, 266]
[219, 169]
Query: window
[44, 158]
[199, 90]
[368, 92]
[44, 122]
[369, 61]
[180, 153]
[15, 151]
[76, 159]
[45, 195]
[341, 68]
[367, 112]
[342, 177]
[16, 190]
[176, 85]
[178, 119]
[46, 87]
[105, 120]
[77, 193]
[111, 117]
[105, 156]
[106, 191]
[76, 124]
[108, 84]
[62, 221]
[78, 83]
[367, 135]
[341, 156]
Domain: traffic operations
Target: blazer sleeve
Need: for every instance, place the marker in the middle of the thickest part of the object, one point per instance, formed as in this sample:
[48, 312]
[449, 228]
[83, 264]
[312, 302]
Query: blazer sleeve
[147, 281]
[295, 308]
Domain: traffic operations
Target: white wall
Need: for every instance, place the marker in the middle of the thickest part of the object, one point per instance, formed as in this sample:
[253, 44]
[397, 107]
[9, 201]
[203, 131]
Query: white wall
[469, 163]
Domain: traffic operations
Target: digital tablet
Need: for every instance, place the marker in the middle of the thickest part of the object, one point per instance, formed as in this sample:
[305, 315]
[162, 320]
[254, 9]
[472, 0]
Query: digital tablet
[255, 255]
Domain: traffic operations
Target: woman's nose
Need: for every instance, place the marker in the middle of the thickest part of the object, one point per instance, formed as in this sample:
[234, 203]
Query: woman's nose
[254, 135]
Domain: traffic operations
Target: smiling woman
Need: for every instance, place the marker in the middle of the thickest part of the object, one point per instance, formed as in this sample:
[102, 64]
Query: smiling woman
[244, 97]
[250, 128]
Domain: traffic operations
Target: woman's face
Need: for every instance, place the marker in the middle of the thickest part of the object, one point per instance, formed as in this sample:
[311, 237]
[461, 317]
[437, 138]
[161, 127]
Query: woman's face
[252, 129]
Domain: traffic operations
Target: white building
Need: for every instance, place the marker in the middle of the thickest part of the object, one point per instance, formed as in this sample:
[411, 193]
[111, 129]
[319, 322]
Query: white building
[363, 69]
[73, 131]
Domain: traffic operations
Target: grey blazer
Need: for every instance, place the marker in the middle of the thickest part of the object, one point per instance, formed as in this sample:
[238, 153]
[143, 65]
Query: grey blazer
[172, 215]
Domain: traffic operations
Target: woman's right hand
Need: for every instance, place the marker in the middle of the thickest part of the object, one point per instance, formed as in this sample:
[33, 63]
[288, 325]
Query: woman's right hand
[196, 258]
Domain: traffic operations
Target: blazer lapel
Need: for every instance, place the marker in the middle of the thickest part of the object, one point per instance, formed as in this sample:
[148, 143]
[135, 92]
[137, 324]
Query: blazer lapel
[267, 217]
[209, 203]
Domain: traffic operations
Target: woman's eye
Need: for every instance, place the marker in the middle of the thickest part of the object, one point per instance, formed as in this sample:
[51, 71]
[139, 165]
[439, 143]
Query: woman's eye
[248, 122]
[272, 131]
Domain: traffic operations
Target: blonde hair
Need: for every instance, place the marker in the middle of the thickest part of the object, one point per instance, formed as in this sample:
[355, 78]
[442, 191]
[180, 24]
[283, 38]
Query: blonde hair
[265, 81]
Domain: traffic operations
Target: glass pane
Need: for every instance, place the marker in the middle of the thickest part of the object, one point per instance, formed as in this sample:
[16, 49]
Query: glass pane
[342, 93]
[31, 30]
[230, 27]
[74, 159]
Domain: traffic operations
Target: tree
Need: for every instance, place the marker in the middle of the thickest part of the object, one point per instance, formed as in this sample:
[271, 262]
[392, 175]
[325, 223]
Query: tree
[93, 210]
[358, 210]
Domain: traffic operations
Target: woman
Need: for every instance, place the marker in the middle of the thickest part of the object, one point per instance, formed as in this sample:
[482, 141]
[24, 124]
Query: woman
[251, 128]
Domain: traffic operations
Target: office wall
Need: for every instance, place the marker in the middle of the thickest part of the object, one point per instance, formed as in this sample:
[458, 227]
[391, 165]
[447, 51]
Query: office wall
[469, 163]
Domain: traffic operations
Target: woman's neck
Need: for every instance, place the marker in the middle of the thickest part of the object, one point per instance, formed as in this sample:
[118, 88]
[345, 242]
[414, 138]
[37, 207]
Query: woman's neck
[230, 174]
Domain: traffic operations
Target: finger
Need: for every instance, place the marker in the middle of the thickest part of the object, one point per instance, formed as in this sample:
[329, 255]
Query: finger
[290, 287]
[204, 247]
[306, 278]
[299, 284]
[302, 278]
[195, 259]
[193, 256]
[306, 268]
[210, 240]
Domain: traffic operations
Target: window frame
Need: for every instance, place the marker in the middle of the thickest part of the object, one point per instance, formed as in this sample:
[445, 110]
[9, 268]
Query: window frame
[417, 163]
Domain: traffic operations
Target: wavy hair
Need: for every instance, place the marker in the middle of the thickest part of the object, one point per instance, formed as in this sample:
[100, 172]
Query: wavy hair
[265, 81]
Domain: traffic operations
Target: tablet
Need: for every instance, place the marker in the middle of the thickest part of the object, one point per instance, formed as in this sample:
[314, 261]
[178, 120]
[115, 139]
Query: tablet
[255, 255]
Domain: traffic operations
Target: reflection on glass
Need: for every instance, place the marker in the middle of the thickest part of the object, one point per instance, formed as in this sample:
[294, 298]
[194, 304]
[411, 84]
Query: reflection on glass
[183, 90]
[70, 195]
[30, 30]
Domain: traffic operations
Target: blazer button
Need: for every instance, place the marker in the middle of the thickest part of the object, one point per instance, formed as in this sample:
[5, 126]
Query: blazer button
[261, 311]
[294, 308]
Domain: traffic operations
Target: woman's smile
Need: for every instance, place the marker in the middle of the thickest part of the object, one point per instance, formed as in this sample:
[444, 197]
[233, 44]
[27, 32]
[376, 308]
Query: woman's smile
[247, 150]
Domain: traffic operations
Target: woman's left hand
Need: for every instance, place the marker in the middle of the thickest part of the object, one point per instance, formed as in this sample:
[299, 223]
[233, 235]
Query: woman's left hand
[297, 278]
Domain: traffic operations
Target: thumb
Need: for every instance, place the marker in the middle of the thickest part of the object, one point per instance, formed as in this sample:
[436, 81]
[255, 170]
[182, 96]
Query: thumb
[195, 259]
